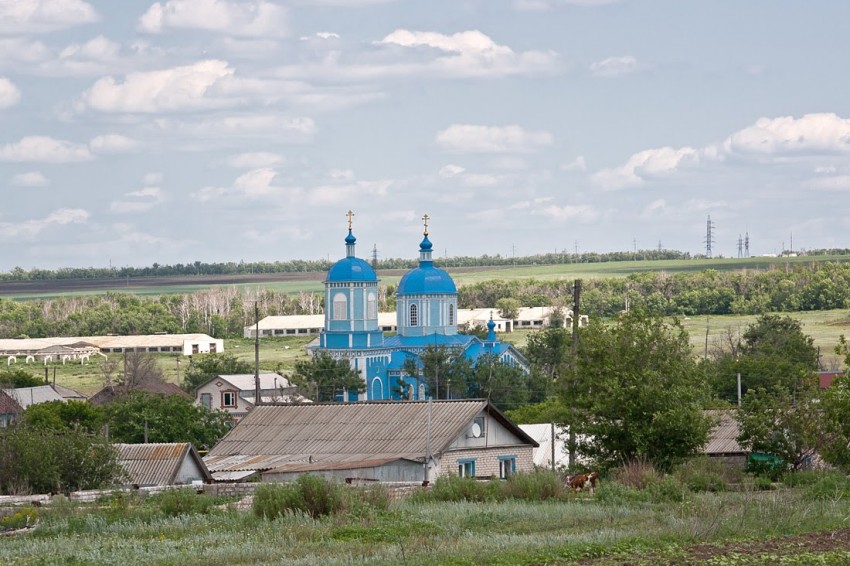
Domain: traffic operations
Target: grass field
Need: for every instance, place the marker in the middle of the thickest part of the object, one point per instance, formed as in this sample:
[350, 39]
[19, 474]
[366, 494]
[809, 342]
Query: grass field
[296, 282]
[698, 528]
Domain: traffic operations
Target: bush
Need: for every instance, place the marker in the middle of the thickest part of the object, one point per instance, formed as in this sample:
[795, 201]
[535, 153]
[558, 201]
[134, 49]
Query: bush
[534, 486]
[454, 488]
[613, 492]
[705, 474]
[182, 501]
[25, 517]
[637, 473]
[309, 494]
[666, 489]
[829, 486]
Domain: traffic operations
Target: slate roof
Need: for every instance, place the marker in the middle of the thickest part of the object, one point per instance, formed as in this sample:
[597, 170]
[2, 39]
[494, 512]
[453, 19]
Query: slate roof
[26, 396]
[272, 436]
[723, 437]
[110, 392]
[245, 381]
[157, 463]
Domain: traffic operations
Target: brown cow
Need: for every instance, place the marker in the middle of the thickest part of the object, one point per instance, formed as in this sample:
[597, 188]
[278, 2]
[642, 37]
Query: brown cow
[584, 481]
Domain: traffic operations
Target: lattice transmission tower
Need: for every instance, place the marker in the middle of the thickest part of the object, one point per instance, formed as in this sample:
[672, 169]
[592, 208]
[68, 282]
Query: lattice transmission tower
[709, 236]
[740, 247]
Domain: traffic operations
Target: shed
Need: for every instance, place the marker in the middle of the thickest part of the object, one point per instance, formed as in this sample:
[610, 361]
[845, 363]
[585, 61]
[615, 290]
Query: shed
[723, 439]
[378, 440]
[162, 464]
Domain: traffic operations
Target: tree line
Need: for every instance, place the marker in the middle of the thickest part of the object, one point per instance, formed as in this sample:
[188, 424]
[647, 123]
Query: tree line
[306, 265]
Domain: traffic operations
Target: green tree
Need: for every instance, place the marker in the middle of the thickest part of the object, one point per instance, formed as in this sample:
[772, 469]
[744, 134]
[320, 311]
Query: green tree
[326, 377]
[166, 418]
[34, 460]
[835, 407]
[843, 349]
[786, 425]
[60, 415]
[508, 307]
[443, 370]
[204, 367]
[772, 352]
[12, 378]
[549, 353]
[636, 393]
[505, 385]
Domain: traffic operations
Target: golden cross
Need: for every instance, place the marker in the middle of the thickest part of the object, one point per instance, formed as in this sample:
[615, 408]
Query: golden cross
[350, 216]
[426, 218]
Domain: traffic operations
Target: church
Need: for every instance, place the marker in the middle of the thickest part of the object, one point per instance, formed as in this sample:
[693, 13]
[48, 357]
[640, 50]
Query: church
[427, 317]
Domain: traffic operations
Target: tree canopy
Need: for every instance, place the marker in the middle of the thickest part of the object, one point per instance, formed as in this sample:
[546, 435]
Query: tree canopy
[326, 378]
[636, 393]
[204, 367]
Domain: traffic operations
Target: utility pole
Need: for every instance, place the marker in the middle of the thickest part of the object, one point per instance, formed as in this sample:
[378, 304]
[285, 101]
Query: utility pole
[709, 236]
[256, 354]
[576, 318]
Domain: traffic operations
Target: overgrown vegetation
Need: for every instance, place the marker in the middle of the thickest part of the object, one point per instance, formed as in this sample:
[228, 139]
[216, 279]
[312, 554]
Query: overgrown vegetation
[658, 524]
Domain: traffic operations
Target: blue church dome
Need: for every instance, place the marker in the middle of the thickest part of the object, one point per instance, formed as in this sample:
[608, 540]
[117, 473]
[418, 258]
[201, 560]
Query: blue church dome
[350, 268]
[426, 279]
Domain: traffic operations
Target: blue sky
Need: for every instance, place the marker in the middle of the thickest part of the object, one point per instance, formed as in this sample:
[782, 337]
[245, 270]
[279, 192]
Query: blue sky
[136, 132]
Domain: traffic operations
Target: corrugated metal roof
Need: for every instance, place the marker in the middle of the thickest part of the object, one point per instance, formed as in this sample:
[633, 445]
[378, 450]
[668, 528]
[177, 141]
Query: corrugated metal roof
[273, 436]
[245, 381]
[724, 435]
[69, 393]
[26, 396]
[158, 463]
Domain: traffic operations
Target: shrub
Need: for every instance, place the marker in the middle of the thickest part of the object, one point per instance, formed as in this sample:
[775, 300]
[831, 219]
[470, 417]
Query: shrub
[454, 488]
[535, 486]
[175, 502]
[25, 517]
[666, 489]
[309, 494]
[705, 474]
[614, 493]
[803, 477]
[637, 473]
[829, 486]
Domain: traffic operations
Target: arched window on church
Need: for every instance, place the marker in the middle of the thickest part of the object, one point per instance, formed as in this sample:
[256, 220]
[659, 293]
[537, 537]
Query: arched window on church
[451, 315]
[340, 311]
[371, 306]
[414, 316]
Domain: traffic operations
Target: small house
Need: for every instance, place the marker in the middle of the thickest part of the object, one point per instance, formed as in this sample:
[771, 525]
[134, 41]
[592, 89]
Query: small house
[411, 441]
[236, 393]
[158, 464]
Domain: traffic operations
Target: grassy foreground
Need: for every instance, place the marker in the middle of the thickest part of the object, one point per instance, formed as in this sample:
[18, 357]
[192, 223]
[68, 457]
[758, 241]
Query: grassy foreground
[710, 528]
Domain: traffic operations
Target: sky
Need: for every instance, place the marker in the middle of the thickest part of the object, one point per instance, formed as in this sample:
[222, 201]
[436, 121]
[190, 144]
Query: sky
[139, 132]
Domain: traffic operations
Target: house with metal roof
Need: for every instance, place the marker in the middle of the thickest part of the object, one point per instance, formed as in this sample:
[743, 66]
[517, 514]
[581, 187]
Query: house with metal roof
[236, 393]
[159, 464]
[426, 317]
[723, 438]
[410, 441]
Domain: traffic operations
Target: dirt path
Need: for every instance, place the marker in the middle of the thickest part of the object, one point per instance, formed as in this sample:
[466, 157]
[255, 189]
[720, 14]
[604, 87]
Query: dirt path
[769, 551]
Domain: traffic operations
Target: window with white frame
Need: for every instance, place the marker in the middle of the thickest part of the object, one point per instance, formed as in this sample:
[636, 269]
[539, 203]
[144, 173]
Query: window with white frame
[507, 466]
[206, 401]
[340, 310]
[414, 315]
[466, 468]
[228, 399]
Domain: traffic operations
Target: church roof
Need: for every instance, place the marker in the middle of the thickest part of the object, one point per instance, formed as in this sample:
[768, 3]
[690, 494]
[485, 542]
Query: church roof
[351, 269]
[426, 280]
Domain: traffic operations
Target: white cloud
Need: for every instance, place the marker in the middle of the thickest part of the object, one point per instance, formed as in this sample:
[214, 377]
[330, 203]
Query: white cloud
[613, 67]
[449, 171]
[255, 160]
[577, 164]
[645, 164]
[30, 179]
[39, 16]
[235, 128]
[22, 50]
[31, 228]
[112, 143]
[469, 179]
[44, 149]
[582, 213]
[468, 53]
[152, 178]
[203, 85]
[253, 18]
[139, 201]
[468, 138]
[809, 134]
[9, 93]
[834, 183]
[256, 183]
[538, 5]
